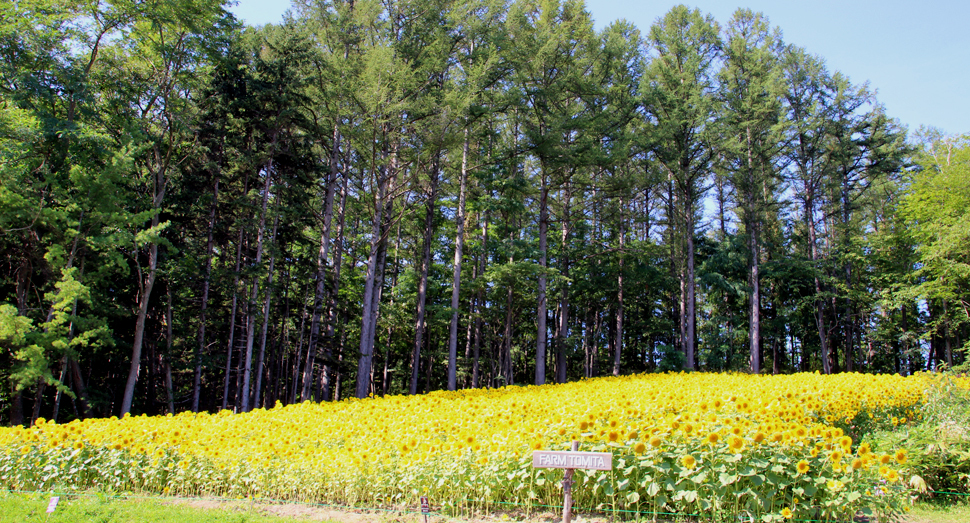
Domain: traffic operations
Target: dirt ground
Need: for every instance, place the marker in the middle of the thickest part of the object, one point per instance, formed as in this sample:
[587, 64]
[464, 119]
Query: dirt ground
[320, 513]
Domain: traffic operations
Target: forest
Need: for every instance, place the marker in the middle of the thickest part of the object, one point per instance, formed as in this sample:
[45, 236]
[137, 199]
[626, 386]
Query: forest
[381, 197]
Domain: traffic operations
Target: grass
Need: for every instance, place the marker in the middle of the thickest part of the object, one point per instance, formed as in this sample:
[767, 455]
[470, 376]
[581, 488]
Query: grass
[939, 513]
[101, 508]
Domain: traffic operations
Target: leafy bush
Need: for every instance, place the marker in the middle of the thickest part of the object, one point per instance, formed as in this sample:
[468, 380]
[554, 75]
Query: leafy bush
[939, 439]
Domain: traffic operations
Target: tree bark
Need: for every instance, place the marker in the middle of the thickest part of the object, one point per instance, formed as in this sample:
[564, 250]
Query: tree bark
[325, 371]
[690, 298]
[207, 278]
[505, 357]
[562, 330]
[232, 321]
[265, 327]
[419, 321]
[145, 295]
[159, 182]
[754, 328]
[819, 302]
[313, 348]
[57, 397]
[251, 318]
[169, 339]
[17, 409]
[541, 306]
[295, 390]
[618, 342]
[375, 269]
[753, 225]
[77, 381]
[479, 302]
[456, 272]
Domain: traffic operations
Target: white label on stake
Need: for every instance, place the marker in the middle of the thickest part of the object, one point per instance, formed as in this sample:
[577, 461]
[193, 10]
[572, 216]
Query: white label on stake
[53, 504]
[551, 459]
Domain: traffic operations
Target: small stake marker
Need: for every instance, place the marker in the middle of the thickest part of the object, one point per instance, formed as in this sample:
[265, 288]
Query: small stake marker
[425, 507]
[52, 506]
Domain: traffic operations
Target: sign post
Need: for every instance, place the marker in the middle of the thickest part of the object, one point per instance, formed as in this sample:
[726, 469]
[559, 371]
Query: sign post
[52, 506]
[571, 461]
[425, 507]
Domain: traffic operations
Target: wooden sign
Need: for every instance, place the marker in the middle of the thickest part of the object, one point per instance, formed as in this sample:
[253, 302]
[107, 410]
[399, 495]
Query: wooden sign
[571, 460]
[551, 459]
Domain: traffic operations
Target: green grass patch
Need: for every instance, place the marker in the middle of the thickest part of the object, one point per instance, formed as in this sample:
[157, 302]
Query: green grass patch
[102, 508]
[939, 513]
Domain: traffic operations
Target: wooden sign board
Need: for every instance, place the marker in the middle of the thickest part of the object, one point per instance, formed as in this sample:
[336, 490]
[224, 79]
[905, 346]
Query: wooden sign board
[552, 459]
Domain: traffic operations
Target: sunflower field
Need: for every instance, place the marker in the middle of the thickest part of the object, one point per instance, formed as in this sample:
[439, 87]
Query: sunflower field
[711, 445]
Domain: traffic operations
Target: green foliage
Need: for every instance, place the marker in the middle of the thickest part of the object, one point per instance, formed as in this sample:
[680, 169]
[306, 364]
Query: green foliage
[137, 146]
[671, 359]
[936, 208]
[939, 460]
[34, 348]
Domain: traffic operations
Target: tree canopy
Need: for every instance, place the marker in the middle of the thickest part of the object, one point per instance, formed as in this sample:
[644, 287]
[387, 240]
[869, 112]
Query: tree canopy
[394, 197]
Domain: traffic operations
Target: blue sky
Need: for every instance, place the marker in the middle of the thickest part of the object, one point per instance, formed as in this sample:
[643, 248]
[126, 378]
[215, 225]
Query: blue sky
[916, 55]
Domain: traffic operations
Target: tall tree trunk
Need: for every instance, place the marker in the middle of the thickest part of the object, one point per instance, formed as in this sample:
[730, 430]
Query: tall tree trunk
[775, 356]
[147, 284]
[232, 320]
[479, 302]
[313, 348]
[430, 365]
[753, 226]
[946, 336]
[848, 319]
[70, 332]
[325, 372]
[17, 408]
[207, 278]
[690, 299]
[562, 330]
[251, 318]
[169, 339]
[904, 323]
[541, 306]
[587, 343]
[38, 400]
[819, 302]
[618, 342]
[419, 321]
[367, 337]
[375, 270]
[721, 198]
[850, 347]
[456, 268]
[505, 357]
[265, 327]
[77, 381]
[754, 327]
[674, 271]
[143, 301]
[298, 358]
[57, 397]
